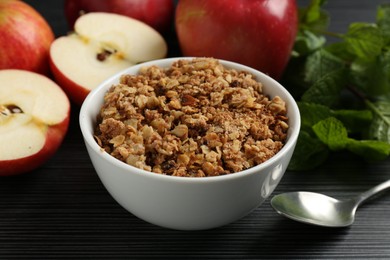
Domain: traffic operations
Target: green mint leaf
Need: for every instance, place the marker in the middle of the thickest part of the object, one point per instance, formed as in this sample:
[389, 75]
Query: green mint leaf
[326, 91]
[372, 76]
[355, 121]
[340, 50]
[321, 63]
[312, 113]
[383, 21]
[309, 153]
[313, 17]
[380, 126]
[371, 150]
[332, 132]
[312, 12]
[307, 42]
[364, 40]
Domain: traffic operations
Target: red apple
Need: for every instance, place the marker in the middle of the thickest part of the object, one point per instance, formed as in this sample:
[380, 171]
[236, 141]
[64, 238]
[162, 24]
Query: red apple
[156, 13]
[102, 45]
[34, 118]
[256, 33]
[25, 37]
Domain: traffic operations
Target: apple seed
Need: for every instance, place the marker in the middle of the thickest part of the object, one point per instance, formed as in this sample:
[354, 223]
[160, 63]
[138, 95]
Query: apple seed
[10, 109]
[104, 54]
[14, 109]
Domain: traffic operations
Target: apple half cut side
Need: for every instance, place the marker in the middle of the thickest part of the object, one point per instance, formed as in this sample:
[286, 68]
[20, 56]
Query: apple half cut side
[34, 118]
[102, 45]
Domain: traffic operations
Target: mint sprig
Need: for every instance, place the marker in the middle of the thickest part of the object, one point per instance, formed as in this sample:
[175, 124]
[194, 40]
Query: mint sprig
[342, 88]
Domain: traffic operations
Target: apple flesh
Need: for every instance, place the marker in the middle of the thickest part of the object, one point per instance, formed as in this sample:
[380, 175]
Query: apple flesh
[34, 118]
[258, 33]
[102, 45]
[25, 38]
[156, 13]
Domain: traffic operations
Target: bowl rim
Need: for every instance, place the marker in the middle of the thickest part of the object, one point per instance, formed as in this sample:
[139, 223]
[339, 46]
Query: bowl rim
[84, 120]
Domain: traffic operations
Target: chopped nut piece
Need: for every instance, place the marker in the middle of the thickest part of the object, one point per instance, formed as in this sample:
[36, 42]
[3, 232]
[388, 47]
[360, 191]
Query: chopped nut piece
[188, 100]
[117, 140]
[277, 106]
[183, 159]
[181, 131]
[175, 103]
[141, 101]
[152, 102]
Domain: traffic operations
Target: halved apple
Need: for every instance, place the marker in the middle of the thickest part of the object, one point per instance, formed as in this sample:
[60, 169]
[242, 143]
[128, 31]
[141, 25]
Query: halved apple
[102, 45]
[34, 118]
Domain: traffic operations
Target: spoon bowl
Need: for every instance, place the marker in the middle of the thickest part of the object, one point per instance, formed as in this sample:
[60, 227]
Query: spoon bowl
[304, 207]
[321, 210]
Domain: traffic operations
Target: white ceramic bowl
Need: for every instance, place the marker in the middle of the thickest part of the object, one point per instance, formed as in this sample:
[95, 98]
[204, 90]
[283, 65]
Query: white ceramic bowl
[188, 203]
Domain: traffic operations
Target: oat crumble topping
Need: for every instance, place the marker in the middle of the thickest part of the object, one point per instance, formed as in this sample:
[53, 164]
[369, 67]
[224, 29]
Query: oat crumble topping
[194, 119]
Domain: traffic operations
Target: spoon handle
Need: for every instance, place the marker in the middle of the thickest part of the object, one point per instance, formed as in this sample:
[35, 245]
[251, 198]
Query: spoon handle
[373, 191]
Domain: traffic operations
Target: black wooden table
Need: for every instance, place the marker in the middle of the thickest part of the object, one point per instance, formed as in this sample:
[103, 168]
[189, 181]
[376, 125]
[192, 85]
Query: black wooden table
[62, 210]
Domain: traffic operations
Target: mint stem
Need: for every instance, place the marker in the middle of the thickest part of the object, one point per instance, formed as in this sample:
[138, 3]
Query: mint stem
[369, 104]
[377, 111]
[328, 33]
[374, 109]
[357, 93]
[332, 34]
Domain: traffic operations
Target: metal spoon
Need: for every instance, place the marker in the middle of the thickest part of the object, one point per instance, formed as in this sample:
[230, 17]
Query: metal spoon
[317, 209]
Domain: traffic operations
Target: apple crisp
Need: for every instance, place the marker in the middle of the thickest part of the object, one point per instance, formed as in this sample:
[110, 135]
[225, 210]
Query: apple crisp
[195, 119]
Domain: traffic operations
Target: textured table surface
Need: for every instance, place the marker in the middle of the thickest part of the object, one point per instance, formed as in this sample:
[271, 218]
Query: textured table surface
[62, 210]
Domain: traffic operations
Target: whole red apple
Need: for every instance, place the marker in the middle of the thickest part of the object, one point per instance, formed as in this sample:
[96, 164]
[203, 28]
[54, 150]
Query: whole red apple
[25, 37]
[256, 33]
[34, 118]
[156, 13]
